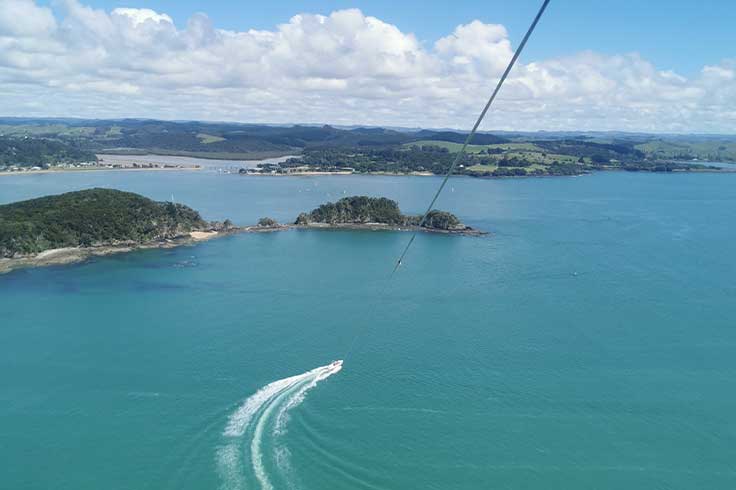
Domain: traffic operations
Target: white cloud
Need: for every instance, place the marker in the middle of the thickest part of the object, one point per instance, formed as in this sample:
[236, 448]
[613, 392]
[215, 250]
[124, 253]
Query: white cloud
[344, 68]
[141, 16]
[22, 18]
[483, 49]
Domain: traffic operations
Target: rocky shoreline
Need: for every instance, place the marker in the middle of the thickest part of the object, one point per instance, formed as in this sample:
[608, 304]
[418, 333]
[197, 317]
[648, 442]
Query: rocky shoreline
[75, 226]
[466, 231]
[73, 255]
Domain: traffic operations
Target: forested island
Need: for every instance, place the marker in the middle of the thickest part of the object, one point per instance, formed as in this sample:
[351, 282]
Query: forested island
[72, 226]
[376, 213]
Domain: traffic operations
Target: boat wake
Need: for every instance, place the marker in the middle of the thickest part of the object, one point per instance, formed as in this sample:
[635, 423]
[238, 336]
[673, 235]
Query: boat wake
[251, 436]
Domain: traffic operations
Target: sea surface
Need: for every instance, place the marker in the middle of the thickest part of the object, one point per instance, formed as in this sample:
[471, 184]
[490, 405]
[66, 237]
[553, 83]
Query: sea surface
[588, 342]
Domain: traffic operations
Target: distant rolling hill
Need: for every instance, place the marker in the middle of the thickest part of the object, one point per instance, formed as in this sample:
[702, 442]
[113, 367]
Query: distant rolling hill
[213, 139]
[59, 140]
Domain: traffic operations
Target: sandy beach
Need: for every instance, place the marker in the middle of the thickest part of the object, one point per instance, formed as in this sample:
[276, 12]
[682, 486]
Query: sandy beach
[203, 235]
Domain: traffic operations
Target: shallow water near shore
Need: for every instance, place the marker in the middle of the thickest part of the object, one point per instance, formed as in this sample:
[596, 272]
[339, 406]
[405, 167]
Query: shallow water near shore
[588, 342]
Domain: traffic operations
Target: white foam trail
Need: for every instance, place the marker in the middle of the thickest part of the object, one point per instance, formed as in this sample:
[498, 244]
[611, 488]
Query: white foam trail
[298, 397]
[253, 416]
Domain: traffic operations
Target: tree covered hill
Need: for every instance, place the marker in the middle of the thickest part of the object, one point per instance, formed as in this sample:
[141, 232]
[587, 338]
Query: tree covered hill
[214, 139]
[362, 210]
[361, 149]
[91, 217]
[29, 152]
[453, 137]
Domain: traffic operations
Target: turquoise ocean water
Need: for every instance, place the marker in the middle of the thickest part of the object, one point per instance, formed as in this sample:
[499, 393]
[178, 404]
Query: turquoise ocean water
[588, 343]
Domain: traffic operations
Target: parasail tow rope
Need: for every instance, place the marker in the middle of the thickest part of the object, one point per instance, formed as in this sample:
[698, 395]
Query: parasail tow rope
[468, 139]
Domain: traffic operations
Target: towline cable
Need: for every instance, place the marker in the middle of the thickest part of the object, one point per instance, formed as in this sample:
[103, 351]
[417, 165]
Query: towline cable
[462, 151]
[469, 138]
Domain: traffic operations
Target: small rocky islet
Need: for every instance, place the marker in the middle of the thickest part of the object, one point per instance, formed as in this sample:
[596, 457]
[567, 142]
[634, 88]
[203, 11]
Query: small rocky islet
[379, 213]
[74, 226]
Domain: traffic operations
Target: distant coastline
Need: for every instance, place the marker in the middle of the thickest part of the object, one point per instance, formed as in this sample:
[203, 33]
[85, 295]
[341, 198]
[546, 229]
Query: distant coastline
[306, 172]
[148, 162]
[204, 155]
[310, 150]
[315, 173]
[96, 169]
[207, 162]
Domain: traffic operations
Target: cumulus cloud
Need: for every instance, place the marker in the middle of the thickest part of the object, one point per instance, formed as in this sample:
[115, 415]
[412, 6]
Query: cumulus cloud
[343, 68]
[21, 18]
[140, 16]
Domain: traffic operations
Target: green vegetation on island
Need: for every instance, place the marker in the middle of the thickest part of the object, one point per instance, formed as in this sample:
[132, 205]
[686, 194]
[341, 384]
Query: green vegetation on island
[267, 222]
[441, 220]
[367, 211]
[93, 218]
[74, 226]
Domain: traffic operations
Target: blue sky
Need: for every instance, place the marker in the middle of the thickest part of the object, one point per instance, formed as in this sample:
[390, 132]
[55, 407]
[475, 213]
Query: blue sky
[680, 35]
[628, 65]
